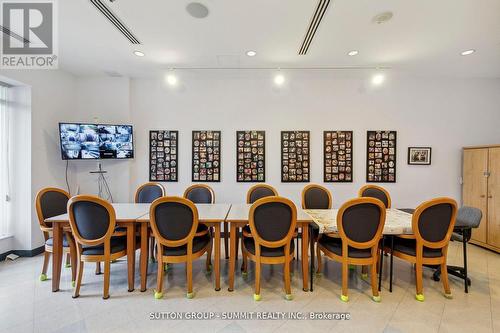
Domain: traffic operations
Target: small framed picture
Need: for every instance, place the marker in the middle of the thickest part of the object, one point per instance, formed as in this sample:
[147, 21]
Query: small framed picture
[419, 155]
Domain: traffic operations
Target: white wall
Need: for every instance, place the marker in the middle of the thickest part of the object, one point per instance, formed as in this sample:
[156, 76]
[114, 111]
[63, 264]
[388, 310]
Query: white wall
[441, 113]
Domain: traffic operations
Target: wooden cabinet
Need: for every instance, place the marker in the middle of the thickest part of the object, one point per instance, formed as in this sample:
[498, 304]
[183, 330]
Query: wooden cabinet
[481, 189]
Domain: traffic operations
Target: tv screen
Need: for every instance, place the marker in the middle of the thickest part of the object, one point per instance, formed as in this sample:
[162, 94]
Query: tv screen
[93, 141]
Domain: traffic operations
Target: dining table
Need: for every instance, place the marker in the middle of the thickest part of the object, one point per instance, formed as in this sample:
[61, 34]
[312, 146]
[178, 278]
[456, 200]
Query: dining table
[397, 222]
[129, 215]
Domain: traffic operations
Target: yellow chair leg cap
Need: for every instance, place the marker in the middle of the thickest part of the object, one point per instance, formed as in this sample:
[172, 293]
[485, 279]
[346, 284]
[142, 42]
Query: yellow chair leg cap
[244, 274]
[449, 296]
[319, 274]
[43, 277]
[376, 298]
[73, 284]
[364, 276]
[257, 297]
[158, 295]
[67, 265]
[344, 298]
[190, 295]
[419, 297]
[289, 297]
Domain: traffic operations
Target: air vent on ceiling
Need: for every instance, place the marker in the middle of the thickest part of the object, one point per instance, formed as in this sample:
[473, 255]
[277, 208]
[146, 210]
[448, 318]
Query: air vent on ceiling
[10, 33]
[313, 26]
[115, 21]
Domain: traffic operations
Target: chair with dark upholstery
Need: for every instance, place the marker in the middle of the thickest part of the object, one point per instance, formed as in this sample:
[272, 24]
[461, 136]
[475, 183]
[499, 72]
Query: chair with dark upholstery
[51, 202]
[203, 194]
[467, 218]
[174, 222]
[93, 223]
[377, 192]
[432, 224]
[272, 223]
[315, 196]
[360, 223]
[147, 193]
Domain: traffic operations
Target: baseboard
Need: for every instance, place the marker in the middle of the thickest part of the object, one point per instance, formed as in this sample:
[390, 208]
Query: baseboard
[23, 253]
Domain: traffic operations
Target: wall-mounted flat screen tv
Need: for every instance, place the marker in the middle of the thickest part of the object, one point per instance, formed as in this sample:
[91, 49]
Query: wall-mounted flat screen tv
[96, 141]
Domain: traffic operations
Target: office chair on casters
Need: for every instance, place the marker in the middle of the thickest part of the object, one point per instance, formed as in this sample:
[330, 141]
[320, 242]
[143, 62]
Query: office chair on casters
[467, 218]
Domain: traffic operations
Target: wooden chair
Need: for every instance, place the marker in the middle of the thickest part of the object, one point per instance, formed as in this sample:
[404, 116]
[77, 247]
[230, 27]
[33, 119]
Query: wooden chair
[360, 223]
[315, 196]
[174, 222]
[272, 223]
[204, 194]
[432, 225]
[377, 192]
[93, 223]
[51, 202]
[147, 193]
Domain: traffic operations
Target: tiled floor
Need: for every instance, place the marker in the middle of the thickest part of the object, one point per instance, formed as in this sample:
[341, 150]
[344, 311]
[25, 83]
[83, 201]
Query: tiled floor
[28, 305]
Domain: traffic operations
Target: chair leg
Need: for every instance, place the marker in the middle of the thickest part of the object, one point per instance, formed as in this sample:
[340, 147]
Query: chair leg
[97, 268]
[320, 262]
[376, 296]
[244, 265]
[189, 269]
[226, 239]
[237, 236]
[444, 278]
[79, 274]
[208, 264]
[364, 272]
[345, 280]
[256, 295]
[159, 278]
[73, 258]
[68, 260]
[288, 289]
[419, 283]
[107, 268]
[152, 249]
[46, 259]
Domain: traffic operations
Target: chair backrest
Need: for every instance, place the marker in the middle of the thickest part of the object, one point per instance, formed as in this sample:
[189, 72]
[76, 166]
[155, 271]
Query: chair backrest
[91, 218]
[50, 202]
[378, 192]
[149, 192]
[200, 194]
[260, 191]
[433, 222]
[316, 197]
[469, 217]
[174, 220]
[360, 222]
[272, 221]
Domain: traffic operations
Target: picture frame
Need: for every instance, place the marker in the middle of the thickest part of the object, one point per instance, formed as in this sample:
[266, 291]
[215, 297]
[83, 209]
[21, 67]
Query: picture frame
[206, 156]
[163, 156]
[295, 156]
[250, 156]
[381, 161]
[419, 155]
[338, 156]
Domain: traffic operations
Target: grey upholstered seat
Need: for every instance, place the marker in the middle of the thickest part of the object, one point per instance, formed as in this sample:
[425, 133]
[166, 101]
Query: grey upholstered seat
[117, 244]
[198, 244]
[50, 241]
[335, 245]
[409, 246]
[377, 194]
[267, 251]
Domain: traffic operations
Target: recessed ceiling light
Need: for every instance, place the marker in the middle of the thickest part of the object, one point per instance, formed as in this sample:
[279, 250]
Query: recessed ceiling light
[279, 79]
[172, 79]
[467, 52]
[378, 79]
[139, 53]
[197, 10]
[251, 53]
[352, 53]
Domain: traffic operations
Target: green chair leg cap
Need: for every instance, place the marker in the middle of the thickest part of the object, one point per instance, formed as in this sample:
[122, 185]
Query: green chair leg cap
[344, 298]
[449, 296]
[257, 297]
[190, 295]
[244, 274]
[419, 297]
[67, 265]
[377, 298]
[289, 297]
[352, 267]
[158, 295]
[364, 276]
[73, 284]
[43, 277]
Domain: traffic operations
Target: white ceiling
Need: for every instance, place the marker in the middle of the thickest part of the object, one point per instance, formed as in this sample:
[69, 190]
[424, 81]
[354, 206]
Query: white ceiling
[425, 37]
